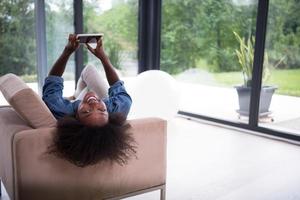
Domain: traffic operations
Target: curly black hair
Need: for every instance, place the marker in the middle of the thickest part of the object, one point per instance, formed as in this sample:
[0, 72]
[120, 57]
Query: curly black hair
[87, 145]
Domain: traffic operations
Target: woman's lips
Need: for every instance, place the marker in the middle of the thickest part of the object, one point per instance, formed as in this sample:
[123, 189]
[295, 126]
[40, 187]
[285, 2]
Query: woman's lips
[91, 99]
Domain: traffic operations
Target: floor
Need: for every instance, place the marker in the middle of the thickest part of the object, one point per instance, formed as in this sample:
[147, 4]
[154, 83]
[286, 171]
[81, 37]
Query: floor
[207, 162]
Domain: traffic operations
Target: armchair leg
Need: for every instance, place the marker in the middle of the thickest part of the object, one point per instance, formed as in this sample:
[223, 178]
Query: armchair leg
[163, 193]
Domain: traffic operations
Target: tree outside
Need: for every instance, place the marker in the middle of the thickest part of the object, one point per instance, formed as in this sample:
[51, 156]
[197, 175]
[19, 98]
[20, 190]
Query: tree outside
[17, 37]
[118, 23]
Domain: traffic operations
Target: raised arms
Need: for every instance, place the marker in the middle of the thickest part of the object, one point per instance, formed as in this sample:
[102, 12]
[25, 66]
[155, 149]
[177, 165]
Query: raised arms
[59, 66]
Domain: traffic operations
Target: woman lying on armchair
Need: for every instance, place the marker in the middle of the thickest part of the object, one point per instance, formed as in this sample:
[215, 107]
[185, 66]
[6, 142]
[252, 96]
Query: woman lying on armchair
[91, 125]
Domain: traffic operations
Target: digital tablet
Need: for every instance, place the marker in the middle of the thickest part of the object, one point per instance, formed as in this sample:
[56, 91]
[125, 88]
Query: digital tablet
[89, 38]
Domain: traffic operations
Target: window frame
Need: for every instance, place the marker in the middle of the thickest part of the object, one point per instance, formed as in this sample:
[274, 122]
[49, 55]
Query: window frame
[149, 41]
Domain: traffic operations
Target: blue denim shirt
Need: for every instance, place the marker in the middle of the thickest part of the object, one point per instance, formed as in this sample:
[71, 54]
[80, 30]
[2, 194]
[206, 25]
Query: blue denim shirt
[118, 99]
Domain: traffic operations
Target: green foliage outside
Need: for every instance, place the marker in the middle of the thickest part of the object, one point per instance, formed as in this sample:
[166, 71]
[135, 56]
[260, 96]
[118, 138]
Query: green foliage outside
[119, 26]
[194, 30]
[17, 37]
[203, 30]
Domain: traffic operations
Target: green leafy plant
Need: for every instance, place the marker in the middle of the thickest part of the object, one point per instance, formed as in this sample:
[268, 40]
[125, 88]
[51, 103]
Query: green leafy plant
[245, 55]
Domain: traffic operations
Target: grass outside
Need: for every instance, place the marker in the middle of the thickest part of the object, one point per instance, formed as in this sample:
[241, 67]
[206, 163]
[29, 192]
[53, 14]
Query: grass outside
[287, 81]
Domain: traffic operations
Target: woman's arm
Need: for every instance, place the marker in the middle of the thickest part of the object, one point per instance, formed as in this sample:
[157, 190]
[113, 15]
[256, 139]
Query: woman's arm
[109, 69]
[59, 66]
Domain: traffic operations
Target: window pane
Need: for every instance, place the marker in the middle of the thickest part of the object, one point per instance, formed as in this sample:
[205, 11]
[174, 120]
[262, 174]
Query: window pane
[199, 48]
[17, 41]
[282, 67]
[59, 24]
[117, 19]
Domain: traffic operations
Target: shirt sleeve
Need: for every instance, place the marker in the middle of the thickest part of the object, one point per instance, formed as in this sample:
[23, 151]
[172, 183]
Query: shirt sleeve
[53, 86]
[52, 96]
[119, 100]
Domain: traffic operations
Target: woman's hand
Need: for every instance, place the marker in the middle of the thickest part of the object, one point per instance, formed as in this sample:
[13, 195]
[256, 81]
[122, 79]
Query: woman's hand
[73, 43]
[111, 74]
[98, 51]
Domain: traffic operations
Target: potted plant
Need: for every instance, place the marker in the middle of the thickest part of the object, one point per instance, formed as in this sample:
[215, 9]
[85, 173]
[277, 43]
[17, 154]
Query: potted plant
[245, 55]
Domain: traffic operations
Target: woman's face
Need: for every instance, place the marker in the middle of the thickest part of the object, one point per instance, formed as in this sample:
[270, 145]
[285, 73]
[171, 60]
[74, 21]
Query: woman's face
[92, 111]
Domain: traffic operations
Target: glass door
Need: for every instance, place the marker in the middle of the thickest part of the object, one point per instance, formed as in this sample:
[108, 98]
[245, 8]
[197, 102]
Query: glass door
[207, 46]
[59, 24]
[281, 77]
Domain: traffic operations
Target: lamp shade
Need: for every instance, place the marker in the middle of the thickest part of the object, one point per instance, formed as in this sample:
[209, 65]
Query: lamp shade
[154, 94]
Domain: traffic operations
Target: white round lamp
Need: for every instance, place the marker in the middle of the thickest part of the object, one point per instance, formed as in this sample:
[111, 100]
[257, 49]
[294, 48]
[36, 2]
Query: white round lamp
[154, 94]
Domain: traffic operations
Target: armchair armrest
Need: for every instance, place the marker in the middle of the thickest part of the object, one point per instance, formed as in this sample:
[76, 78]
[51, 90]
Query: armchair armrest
[39, 175]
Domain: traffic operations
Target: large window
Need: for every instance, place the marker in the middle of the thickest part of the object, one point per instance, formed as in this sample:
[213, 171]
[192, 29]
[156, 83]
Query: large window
[59, 24]
[17, 39]
[200, 40]
[282, 66]
[118, 20]
[208, 46]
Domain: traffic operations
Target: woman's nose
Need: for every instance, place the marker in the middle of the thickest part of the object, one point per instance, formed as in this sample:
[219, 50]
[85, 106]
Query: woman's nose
[98, 106]
[101, 107]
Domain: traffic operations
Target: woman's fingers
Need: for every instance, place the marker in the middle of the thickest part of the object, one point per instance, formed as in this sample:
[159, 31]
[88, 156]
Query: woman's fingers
[72, 37]
[73, 40]
[98, 51]
[99, 44]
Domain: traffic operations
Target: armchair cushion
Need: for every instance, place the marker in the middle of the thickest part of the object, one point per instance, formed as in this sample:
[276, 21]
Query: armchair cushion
[26, 102]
